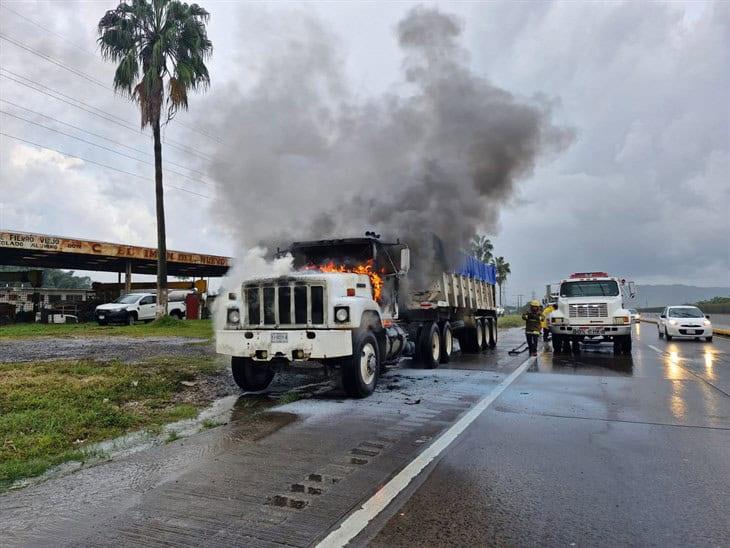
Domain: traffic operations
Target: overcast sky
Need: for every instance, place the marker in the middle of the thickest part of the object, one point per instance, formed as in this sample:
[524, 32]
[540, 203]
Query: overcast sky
[643, 190]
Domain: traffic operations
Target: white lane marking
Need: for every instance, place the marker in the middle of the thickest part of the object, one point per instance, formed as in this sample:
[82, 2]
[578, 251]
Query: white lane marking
[358, 520]
[655, 349]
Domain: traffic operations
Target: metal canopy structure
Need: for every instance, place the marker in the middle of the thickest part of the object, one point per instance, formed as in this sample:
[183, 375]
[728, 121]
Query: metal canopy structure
[45, 251]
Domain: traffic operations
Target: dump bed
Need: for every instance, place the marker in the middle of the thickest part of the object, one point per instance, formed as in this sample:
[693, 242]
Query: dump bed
[471, 287]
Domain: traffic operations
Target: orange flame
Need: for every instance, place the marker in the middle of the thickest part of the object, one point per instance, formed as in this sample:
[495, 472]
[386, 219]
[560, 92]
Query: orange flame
[376, 280]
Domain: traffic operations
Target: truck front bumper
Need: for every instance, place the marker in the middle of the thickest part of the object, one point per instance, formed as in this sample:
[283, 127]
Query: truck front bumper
[268, 344]
[591, 330]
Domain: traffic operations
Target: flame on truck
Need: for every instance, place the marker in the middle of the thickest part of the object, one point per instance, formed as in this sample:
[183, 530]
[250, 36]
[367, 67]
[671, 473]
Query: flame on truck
[376, 280]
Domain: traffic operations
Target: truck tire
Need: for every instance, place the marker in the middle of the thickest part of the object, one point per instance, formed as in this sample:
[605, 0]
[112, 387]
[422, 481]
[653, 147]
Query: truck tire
[628, 344]
[557, 343]
[661, 335]
[360, 372]
[468, 340]
[491, 331]
[131, 318]
[176, 314]
[481, 343]
[103, 322]
[249, 376]
[575, 345]
[667, 335]
[447, 343]
[618, 345]
[428, 351]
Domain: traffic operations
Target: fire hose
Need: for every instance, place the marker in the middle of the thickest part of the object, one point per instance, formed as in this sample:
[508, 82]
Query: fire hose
[518, 349]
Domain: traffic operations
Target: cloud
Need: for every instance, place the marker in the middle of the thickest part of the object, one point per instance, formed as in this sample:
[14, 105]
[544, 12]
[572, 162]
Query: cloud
[644, 190]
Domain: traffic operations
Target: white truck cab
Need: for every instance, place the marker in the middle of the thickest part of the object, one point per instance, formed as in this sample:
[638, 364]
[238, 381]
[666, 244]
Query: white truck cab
[591, 305]
[134, 307]
[344, 307]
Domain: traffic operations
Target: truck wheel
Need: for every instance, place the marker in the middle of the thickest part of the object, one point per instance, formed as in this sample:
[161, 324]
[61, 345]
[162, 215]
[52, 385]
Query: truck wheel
[575, 346]
[480, 335]
[618, 345]
[176, 314]
[103, 322]
[131, 318]
[428, 352]
[447, 343]
[468, 340]
[557, 343]
[628, 344]
[667, 335]
[249, 376]
[661, 335]
[360, 372]
[709, 339]
[491, 330]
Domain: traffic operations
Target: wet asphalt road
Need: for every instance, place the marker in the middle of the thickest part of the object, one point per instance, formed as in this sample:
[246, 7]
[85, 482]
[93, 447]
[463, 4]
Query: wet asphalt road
[587, 450]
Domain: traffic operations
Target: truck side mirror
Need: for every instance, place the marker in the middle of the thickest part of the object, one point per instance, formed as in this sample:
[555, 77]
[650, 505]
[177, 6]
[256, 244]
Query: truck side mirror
[405, 261]
[707, 316]
[632, 289]
[662, 316]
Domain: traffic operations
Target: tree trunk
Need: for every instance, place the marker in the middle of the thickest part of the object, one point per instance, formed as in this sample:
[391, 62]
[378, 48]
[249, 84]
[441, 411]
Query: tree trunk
[161, 245]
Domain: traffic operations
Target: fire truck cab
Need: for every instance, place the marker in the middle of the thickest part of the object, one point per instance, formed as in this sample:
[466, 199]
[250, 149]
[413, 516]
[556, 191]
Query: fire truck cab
[590, 305]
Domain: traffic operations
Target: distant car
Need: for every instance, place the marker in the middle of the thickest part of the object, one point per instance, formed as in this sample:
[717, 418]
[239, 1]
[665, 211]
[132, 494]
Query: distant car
[134, 307]
[634, 314]
[684, 321]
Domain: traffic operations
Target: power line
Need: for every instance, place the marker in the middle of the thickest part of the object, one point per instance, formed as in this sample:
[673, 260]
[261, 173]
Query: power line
[77, 128]
[34, 85]
[16, 105]
[99, 146]
[64, 66]
[59, 35]
[98, 164]
[85, 76]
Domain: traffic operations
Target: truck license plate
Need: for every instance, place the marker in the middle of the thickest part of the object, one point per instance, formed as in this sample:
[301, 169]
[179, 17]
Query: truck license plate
[279, 337]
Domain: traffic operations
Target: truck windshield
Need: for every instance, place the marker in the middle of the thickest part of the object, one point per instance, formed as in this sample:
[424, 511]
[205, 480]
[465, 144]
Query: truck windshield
[348, 255]
[128, 299]
[608, 288]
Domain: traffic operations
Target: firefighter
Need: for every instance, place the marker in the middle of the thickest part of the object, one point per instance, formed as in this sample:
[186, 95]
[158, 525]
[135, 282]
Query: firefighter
[549, 309]
[533, 320]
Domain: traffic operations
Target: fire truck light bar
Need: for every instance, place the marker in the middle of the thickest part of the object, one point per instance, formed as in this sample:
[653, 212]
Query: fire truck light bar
[589, 275]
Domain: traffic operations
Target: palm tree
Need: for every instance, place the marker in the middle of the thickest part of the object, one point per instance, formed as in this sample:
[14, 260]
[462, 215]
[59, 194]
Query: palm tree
[503, 270]
[482, 248]
[155, 43]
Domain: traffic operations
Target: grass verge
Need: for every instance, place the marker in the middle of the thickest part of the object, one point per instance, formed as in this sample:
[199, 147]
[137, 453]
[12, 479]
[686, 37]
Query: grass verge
[51, 411]
[164, 327]
[512, 320]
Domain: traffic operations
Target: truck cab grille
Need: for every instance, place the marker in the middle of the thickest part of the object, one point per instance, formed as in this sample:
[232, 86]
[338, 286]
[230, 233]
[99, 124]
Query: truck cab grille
[290, 305]
[590, 310]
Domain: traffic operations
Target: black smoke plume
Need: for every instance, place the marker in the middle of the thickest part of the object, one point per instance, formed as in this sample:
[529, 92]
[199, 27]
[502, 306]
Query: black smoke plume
[306, 159]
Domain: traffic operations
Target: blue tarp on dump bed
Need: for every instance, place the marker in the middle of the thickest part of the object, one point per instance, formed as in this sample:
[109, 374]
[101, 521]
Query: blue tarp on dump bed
[474, 268]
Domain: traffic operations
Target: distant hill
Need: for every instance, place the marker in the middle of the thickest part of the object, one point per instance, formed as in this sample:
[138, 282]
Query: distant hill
[662, 295]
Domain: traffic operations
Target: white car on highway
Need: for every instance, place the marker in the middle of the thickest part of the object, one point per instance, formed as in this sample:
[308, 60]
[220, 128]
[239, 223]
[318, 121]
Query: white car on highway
[635, 316]
[684, 321]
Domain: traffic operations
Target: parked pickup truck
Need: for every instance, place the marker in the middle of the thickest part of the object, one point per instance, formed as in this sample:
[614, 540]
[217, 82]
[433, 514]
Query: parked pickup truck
[346, 306]
[134, 307]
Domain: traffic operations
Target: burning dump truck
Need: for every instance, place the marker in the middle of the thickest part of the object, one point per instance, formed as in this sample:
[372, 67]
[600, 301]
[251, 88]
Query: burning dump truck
[349, 305]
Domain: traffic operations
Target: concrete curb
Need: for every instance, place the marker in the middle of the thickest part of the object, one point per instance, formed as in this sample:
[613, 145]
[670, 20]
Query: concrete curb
[715, 330]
